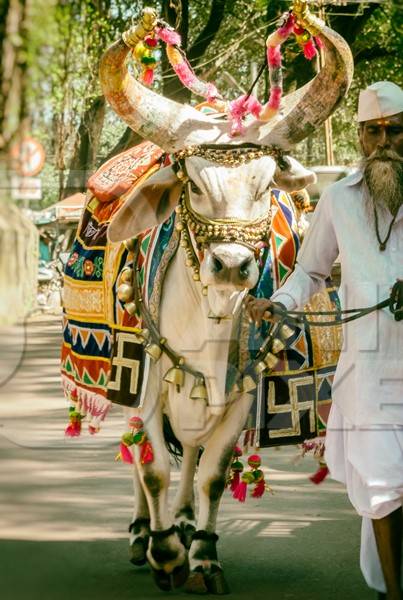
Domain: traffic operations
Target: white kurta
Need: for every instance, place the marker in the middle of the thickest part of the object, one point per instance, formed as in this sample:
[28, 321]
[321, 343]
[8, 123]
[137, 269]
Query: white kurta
[364, 442]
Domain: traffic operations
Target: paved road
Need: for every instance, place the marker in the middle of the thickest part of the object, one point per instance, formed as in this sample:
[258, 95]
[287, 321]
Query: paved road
[65, 505]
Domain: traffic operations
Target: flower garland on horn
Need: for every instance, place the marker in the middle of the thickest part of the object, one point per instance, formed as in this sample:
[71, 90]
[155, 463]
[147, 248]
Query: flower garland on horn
[144, 38]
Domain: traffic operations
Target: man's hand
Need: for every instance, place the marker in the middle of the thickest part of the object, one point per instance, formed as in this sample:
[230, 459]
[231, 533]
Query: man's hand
[259, 309]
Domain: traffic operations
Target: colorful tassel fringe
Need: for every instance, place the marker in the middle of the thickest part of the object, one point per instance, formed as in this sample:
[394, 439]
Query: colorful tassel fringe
[239, 480]
[136, 436]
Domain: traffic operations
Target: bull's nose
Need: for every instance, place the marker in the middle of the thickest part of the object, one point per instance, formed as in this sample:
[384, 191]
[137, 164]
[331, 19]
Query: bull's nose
[231, 271]
[245, 268]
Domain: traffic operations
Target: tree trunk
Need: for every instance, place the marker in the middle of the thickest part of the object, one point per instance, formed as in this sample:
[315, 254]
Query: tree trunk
[86, 147]
[13, 67]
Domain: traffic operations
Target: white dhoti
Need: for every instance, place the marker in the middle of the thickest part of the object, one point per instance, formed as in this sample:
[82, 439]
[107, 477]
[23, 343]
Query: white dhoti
[369, 462]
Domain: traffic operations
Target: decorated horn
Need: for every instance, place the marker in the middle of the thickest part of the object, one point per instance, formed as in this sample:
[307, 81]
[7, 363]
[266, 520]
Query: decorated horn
[307, 108]
[168, 124]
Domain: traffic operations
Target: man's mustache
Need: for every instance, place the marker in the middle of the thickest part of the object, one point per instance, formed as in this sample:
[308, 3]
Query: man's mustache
[383, 155]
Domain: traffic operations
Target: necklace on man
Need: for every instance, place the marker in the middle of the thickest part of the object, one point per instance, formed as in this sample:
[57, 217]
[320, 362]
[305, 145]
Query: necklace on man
[382, 244]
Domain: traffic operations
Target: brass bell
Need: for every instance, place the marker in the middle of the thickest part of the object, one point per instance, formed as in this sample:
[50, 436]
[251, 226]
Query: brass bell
[125, 292]
[126, 275]
[154, 351]
[131, 308]
[286, 332]
[248, 384]
[176, 376]
[260, 367]
[270, 360]
[277, 345]
[129, 244]
[199, 390]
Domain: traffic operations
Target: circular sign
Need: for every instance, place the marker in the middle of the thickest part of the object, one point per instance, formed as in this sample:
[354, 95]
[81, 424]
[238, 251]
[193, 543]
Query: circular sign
[28, 156]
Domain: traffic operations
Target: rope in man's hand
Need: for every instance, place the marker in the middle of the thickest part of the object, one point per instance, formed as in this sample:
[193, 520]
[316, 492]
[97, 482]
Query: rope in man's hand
[260, 309]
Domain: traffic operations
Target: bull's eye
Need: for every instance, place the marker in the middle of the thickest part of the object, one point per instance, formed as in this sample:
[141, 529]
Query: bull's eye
[194, 188]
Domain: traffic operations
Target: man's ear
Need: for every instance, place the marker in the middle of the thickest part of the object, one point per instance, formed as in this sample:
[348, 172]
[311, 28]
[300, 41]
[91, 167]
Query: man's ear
[149, 205]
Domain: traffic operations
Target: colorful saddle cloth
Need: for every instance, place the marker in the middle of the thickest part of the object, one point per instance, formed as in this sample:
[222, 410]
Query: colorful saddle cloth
[103, 359]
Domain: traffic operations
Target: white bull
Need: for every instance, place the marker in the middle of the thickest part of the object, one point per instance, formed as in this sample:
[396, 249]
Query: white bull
[209, 276]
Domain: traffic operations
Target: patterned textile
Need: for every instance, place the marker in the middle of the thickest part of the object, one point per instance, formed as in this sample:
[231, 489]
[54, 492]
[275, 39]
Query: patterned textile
[292, 402]
[92, 312]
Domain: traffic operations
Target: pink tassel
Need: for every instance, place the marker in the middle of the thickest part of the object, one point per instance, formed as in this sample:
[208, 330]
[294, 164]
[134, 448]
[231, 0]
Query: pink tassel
[148, 77]
[260, 489]
[319, 42]
[125, 454]
[234, 481]
[239, 108]
[275, 97]
[169, 36]
[274, 56]
[240, 492]
[309, 49]
[320, 475]
[146, 454]
[288, 26]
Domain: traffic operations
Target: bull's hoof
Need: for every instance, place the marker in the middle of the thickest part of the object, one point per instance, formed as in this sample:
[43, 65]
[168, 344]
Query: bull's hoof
[138, 552]
[196, 584]
[171, 581]
[216, 583]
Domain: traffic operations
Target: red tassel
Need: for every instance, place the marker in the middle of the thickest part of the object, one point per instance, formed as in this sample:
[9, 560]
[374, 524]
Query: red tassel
[146, 454]
[73, 429]
[309, 49]
[125, 454]
[320, 475]
[240, 492]
[260, 489]
[147, 77]
[234, 481]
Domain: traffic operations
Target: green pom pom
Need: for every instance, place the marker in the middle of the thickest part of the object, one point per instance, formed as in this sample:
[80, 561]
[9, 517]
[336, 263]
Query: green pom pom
[127, 439]
[248, 477]
[237, 466]
[148, 60]
[258, 475]
[139, 437]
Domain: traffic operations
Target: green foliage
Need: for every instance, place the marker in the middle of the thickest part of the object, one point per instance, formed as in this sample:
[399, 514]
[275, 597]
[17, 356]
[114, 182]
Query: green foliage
[67, 38]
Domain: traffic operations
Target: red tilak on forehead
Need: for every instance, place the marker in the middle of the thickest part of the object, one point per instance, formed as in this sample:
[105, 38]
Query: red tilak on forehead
[383, 122]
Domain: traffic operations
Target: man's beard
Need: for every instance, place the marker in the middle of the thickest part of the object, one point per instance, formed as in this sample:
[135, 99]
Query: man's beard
[383, 175]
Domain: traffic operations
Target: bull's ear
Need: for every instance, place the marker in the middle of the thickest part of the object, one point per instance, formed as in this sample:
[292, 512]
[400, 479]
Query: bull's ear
[148, 205]
[293, 179]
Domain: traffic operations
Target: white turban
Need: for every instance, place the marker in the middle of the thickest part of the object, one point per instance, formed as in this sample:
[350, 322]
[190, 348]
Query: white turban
[379, 100]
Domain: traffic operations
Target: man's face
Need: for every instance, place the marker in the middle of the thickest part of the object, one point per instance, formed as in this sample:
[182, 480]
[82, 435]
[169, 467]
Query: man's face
[386, 133]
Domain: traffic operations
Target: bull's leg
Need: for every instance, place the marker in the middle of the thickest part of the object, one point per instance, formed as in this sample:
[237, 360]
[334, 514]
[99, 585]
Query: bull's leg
[206, 570]
[166, 553]
[140, 526]
[184, 505]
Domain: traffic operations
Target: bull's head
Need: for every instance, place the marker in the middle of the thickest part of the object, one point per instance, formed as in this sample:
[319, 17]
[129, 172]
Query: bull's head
[222, 183]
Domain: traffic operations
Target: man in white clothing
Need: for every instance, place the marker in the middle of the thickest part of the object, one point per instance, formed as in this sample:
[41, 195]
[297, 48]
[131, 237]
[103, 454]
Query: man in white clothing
[360, 219]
